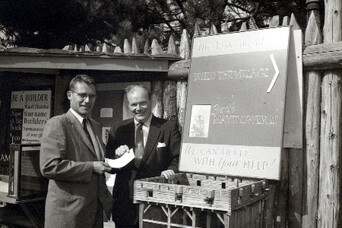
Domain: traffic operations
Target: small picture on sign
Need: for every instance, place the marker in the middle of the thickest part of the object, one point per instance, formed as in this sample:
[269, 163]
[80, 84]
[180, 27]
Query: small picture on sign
[199, 123]
[105, 134]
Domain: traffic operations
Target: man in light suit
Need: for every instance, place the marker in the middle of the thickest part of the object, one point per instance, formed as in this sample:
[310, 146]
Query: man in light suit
[156, 144]
[71, 156]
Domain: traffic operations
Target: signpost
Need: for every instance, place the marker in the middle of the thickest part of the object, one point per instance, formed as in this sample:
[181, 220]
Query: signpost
[236, 103]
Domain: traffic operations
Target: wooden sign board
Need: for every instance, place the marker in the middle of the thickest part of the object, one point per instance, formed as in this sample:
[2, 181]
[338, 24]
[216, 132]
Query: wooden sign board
[234, 118]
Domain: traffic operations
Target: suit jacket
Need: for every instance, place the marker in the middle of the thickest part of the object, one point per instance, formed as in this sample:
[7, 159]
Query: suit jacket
[75, 192]
[154, 161]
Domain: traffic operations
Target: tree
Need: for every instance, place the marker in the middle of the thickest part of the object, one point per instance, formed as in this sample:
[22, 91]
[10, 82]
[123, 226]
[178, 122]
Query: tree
[53, 24]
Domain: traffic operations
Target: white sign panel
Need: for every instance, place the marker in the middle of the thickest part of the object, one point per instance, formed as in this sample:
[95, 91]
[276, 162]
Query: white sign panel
[36, 106]
[234, 120]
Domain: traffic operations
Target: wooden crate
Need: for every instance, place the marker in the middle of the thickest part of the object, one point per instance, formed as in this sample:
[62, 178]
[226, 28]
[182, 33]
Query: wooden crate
[25, 179]
[196, 200]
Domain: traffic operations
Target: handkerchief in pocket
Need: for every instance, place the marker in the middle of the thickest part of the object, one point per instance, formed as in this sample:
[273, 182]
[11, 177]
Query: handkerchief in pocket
[161, 144]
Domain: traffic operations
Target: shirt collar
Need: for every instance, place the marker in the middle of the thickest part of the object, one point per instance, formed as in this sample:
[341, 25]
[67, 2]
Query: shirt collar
[147, 123]
[78, 116]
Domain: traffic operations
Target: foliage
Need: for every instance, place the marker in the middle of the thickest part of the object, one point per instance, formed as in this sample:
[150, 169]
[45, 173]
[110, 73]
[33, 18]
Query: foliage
[53, 24]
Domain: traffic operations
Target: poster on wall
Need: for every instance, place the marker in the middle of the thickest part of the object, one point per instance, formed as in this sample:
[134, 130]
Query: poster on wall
[16, 125]
[30, 110]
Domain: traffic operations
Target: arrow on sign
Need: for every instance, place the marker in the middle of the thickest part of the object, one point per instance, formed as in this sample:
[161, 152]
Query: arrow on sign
[275, 75]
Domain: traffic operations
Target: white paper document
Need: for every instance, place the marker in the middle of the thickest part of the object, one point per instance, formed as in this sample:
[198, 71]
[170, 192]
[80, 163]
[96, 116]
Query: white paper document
[122, 161]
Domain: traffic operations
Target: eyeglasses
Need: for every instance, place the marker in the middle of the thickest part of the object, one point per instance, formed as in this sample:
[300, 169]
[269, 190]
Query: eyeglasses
[84, 96]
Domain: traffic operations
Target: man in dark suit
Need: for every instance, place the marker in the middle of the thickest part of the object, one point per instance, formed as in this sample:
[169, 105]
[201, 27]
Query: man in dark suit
[156, 144]
[72, 157]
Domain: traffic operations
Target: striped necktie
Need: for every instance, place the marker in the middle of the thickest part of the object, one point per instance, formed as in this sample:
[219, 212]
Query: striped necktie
[139, 143]
[85, 128]
[89, 132]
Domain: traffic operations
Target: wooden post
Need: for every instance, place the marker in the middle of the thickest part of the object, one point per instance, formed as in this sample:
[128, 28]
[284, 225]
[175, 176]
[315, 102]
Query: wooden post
[87, 48]
[67, 47]
[117, 49]
[313, 6]
[252, 23]
[181, 85]
[170, 100]
[184, 48]
[274, 22]
[267, 210]
[147, 48]
[193, 219]
[295, 166]
[141, 215]
[181, 101]
[286, 21]
[312, 121]
[213, 30]
[171, 47]
[157, 86]
[329, 180]
[156, 48]
[135, 48]
[157, 98]
[105, 48]
[225, 27]
[243, 27]
[329, 212]
[98, 47]
[197, 30]
[168, 217]
[281, 198]
[127, 47]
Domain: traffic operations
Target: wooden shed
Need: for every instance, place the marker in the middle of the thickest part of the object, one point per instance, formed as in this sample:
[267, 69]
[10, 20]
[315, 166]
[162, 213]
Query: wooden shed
[27, 70]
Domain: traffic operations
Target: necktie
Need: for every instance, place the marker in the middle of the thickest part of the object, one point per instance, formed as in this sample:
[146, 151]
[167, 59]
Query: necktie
[89, 132]
[85, 128]
[139, 143]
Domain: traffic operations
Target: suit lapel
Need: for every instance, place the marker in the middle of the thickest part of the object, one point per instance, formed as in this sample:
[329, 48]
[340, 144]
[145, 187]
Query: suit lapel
[76, 125]
[152, 139]
[130, 134]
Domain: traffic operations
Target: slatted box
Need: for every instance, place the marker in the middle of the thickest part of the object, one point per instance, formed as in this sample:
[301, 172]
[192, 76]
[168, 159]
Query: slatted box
[204, 191]
[183, 200]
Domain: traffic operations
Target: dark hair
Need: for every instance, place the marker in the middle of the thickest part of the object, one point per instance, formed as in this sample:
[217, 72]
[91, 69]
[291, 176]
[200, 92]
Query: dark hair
[131, 88]
[81, 78]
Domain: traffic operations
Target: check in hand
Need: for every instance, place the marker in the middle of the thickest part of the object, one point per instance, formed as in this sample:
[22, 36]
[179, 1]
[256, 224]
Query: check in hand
[119, 163]
[101, 167]
[167, 173]
[121, 150]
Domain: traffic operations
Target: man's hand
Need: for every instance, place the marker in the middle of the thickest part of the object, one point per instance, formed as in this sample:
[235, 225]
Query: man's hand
[101, 167]
[167, 173]
[121, 150]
